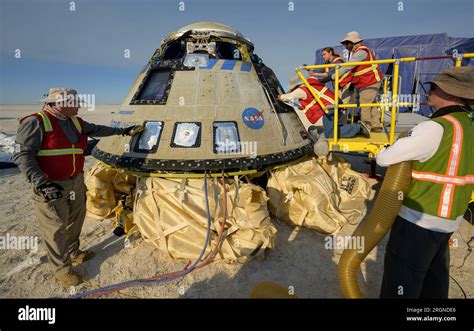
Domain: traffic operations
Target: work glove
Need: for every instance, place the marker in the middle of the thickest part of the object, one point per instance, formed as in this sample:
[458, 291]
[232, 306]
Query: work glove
[132, 130]
[325, 79]
[50, 191]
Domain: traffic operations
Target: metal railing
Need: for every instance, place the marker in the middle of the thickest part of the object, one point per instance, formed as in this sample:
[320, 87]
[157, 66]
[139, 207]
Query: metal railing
[393, 104]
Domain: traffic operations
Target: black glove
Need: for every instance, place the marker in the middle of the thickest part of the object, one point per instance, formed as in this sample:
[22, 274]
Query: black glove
[50, 191]
[132, 130]
[325, 79]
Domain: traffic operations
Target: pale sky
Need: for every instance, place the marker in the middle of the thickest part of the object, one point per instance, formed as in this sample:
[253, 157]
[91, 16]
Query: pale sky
[84, 48]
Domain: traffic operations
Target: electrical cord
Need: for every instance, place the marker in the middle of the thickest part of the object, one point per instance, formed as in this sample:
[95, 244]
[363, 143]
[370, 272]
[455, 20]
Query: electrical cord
[462, 290]
[468, 243]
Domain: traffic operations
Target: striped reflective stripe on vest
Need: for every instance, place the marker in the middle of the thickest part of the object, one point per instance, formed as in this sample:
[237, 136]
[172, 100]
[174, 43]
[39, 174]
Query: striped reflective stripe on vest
[46, 122]
[442, 179]
[449, 180]
[446, 199]
[372, 67]
[320, 95]
[309, 105]
[76, 123]
[344, 77]
[61, 151]
[337, 59]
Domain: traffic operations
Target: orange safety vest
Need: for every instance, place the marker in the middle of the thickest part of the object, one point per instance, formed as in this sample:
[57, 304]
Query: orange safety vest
[58, 158]
[345, 79]
[311, 107]
[442, 186]
[367, 74]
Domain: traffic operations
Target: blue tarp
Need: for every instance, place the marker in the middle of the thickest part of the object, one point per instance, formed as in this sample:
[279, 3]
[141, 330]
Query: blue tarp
[414, 46]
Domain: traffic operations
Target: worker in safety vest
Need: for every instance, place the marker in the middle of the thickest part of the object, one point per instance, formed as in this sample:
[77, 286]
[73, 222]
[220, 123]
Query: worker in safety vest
[417, 253]
[329, 56]
[345, 87]
[312, 109]
[50, 152]
[366, 79]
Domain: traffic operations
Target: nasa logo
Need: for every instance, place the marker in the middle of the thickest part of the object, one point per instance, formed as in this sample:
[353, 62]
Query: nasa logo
[253, 118]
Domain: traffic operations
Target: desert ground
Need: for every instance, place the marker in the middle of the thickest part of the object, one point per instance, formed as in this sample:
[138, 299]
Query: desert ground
[302, 264]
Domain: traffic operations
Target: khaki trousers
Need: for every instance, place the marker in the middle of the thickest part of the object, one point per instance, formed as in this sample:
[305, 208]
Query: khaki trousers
[61, 220]
[369, 115]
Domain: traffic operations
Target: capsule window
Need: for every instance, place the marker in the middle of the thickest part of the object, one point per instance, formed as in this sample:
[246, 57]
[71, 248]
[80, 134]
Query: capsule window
[149, 139]
[186, 134]
[155, 86]
[226, 138]
[196, 60]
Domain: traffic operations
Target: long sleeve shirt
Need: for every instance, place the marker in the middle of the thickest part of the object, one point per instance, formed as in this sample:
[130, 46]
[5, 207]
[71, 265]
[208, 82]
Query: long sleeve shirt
[293, 98]
[296, 94]
[358, 56]
[29, 139]
[421, 144]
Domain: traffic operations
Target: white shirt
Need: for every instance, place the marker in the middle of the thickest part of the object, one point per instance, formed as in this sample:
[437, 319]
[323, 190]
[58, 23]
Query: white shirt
[421, 144]
[296, 94]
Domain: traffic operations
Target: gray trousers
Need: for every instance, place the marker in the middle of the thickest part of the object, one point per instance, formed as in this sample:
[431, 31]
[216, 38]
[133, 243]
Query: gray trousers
[416, 262]
[61, 220]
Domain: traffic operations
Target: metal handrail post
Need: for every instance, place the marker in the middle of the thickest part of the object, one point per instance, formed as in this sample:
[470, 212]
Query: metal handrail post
[385, 85]
[394, 100]
[336, 103]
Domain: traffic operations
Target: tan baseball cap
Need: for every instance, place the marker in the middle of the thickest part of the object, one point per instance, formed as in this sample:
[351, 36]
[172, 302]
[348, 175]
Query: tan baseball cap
[62, 94]
[352, 36]
[456, 81]
[294, 82]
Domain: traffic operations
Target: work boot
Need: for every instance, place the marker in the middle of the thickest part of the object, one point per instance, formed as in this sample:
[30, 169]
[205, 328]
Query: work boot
[377, 128]
[364, 129]
[68, 278]
[82, 256]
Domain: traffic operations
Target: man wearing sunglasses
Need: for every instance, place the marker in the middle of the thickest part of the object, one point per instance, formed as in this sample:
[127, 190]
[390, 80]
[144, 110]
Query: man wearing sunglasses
[366, 79]
[417, 254]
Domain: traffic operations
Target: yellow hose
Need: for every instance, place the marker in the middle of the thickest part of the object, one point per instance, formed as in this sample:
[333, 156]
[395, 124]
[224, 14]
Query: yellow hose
[383, 214]
[269, 290]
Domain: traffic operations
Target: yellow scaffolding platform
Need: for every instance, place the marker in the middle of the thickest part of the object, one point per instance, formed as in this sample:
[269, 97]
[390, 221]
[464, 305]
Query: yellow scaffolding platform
[377, 141]
[372, 145]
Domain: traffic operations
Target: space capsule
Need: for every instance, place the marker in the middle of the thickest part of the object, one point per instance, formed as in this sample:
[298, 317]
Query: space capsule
[208, 103]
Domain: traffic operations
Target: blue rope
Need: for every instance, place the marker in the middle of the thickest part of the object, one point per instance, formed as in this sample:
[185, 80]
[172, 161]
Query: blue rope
[146, 281]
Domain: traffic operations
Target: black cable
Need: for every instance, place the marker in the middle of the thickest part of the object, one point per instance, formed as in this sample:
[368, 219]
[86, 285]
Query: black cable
[462, 290]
